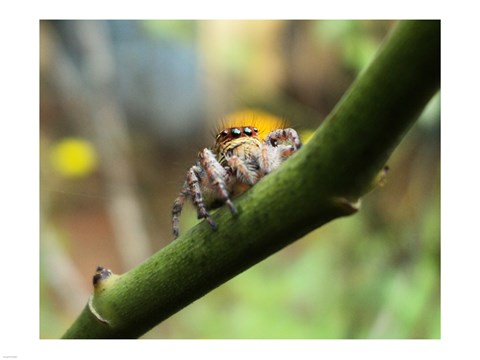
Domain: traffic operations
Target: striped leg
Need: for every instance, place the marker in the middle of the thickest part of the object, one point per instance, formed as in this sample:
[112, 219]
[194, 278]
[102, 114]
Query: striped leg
[177, 209]
[194, 177]
[216, 175]
[191, 187]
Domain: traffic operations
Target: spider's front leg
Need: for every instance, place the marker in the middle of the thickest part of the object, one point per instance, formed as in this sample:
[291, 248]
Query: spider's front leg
[216, 175]
[277, 147]
[286, 139]
[208, 174]
[191, 187]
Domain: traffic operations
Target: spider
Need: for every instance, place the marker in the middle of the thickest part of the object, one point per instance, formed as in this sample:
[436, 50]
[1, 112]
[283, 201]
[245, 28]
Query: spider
[240, 157]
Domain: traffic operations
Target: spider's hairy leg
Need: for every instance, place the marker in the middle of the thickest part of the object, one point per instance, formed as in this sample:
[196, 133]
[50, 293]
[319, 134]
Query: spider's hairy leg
[191, 187]
[216, 176]
[177, 209]
[194, 176]
[286, 139]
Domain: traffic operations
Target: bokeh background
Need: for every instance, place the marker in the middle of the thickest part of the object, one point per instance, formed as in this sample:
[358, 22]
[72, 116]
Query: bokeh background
[124, 108]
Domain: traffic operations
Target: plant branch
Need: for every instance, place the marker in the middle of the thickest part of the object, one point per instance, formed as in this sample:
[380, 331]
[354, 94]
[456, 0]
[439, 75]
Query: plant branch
[322, 181]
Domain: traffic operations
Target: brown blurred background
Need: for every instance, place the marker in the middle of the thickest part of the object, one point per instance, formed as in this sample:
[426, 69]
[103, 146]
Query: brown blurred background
[124, 108]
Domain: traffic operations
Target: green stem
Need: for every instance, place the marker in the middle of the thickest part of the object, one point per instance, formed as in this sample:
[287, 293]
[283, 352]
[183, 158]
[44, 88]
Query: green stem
[321, 182]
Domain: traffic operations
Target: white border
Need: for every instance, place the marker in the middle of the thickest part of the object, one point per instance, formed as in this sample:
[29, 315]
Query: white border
[19, 327]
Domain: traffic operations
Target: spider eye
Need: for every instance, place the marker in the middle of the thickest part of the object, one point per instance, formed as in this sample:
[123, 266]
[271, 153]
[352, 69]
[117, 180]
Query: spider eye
[247, 131]
[222, 134]
[236, 132]
[255, 129]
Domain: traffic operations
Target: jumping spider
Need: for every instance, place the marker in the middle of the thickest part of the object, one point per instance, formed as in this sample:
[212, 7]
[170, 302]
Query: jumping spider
[238, 160]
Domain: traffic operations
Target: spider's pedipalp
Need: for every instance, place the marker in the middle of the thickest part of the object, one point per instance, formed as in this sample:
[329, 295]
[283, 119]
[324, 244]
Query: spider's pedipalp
[241, 170]
[270, 158]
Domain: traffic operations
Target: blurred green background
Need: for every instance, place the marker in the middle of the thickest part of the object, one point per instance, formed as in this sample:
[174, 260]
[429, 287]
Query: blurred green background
[124, 108]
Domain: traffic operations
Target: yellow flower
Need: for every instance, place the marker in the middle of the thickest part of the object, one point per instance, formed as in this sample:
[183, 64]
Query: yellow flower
[74, 157]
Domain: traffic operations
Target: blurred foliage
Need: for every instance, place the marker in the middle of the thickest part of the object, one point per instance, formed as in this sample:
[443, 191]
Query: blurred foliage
[356, 43]
[372, 275]
[170, 29]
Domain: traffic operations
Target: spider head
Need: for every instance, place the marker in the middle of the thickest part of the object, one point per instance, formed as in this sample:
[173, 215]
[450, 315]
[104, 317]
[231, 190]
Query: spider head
[241, 140]
[243, 133]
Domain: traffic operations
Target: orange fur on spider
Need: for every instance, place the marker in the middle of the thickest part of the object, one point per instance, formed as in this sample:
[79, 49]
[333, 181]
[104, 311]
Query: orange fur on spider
[263, 121]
